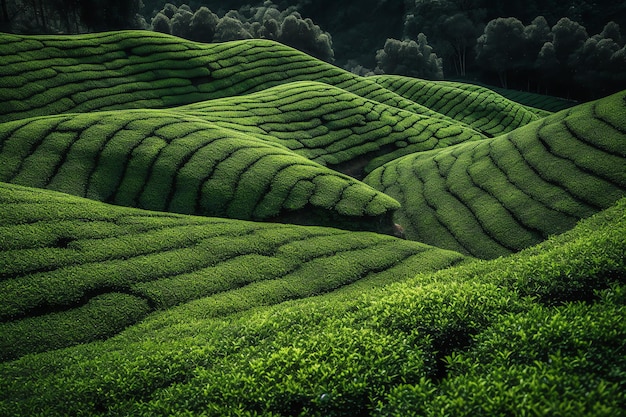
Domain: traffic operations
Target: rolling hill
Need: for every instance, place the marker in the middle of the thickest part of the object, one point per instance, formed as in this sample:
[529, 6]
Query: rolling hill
[499, 195]
[75, 270]
[242, 229]
[165, 161]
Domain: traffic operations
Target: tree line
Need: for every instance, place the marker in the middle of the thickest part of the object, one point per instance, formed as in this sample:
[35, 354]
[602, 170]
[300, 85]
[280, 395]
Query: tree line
[68, 16]
[545, 47]
[551, 58]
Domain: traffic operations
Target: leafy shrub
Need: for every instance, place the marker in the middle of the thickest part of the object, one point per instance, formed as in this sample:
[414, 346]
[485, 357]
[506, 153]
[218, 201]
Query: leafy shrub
[481, 108]
[467, 340]
[111, 151]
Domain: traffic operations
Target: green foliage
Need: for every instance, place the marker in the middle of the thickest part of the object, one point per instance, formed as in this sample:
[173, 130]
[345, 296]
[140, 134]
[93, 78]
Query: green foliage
[499, 195]
[478, 107]
[331, 126]
[559, 361]
[101, 317]
[132, 69]
[157, 160]
[66, 260]
[467, 340]
[541, 104]
[410, 58]
[113, 310]
[498, 48]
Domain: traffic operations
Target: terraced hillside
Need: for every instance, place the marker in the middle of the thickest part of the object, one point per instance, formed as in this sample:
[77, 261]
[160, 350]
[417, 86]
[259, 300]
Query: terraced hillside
[73, 270]
[500, 195]
[331, 126]
[140, 69]
[165, 249]
[545, 325]
[476, 106]
[165, 161]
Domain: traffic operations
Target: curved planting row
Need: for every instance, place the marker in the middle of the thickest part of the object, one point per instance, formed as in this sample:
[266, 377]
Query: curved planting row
[478, 107]
[332, 126]
[540, 103]
[166, 161]
[41, 75]
[492, 197]
[536, 101]
[73, 270]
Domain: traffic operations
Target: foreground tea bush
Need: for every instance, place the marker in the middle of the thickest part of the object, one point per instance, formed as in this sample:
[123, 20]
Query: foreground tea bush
[469, 340]
[500, 195]
[562, 361]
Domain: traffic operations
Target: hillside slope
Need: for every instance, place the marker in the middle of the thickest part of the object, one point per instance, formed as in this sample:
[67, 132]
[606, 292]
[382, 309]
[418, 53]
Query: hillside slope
[475, 106]
[500, 195]
[229, 298]
[545, 324]
[138, 69]
[74, 270]
[332, 126]
[165, 161]
[43, 75]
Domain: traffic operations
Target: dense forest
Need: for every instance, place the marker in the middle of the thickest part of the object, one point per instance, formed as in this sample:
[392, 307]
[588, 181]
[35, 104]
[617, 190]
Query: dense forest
[573, 49]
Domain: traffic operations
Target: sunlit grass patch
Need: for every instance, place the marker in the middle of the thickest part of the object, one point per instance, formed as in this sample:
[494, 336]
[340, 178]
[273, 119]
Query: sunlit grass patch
[65, 259]
[434, 342]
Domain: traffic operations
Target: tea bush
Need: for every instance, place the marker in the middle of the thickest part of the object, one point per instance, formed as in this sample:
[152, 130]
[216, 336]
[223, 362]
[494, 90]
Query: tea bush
[481, 108]
[164, 161]
[331, 126]
[496, 196]
[468, 340]
[135, 69]
[114, 310]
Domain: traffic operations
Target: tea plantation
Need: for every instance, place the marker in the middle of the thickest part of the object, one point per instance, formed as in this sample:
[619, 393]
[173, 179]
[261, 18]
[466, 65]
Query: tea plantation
[239, 229]
[499, 195]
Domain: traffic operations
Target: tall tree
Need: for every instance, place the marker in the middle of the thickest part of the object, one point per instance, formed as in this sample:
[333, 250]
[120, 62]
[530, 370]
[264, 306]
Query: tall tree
[498, 48]
[569, 36]
[109, 14]
[612, 31]
[203, 24]
[547, 64]
[460, 32]
[415, 59]
[5, 10]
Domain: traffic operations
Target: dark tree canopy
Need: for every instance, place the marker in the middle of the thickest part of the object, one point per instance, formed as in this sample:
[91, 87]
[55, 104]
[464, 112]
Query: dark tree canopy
[415, 59]
[499, 47]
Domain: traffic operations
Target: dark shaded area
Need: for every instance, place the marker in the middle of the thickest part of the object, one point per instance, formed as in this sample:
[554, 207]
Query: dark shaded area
[45, 308]
[315, 216]
[359, 28]
[67, 325]
[456, 339]
[68, 16]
